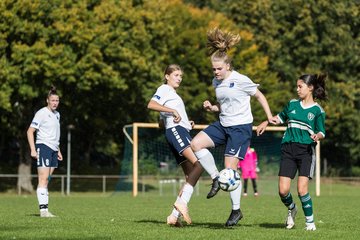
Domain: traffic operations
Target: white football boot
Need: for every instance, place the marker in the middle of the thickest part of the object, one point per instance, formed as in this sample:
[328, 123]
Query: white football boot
[290, 218]
[46, 214]
[173, 221]
[310, 227]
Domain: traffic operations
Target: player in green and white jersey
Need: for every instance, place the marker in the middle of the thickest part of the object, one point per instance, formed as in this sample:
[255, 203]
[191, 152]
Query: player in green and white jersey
[305, 120]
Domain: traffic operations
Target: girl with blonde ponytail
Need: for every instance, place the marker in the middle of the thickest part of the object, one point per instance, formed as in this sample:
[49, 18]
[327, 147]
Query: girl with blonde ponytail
[234, 128]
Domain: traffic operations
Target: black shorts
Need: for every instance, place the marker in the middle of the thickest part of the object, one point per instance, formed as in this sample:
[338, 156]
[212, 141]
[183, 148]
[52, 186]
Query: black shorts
[297, 157]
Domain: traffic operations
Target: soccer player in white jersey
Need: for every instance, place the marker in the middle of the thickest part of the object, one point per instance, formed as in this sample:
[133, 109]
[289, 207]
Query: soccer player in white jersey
[234, 129]
[45, 150]
[305, 120]
[177, 126]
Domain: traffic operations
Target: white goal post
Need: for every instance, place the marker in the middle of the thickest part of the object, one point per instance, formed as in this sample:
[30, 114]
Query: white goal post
[135, 143]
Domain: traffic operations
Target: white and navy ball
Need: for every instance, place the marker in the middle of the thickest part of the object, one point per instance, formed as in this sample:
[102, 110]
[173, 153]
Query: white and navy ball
[229, 179]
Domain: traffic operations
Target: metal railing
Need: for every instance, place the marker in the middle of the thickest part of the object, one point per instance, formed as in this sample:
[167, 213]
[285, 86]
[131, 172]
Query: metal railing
[103, 183]
[63, 178]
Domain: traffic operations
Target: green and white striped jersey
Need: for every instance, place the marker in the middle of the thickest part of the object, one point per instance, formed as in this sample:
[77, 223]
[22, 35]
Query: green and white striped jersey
[302, 122]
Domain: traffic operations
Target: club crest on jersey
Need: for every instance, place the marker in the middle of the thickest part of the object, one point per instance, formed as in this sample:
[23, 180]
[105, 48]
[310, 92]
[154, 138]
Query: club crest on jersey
[231, 85]
[311, 116]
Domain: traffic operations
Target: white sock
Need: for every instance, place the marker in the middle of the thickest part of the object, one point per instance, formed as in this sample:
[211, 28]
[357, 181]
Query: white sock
[207, 161]
[187, 192]
[42, 196]
[309, 219]
[235, 197]
[175, 212]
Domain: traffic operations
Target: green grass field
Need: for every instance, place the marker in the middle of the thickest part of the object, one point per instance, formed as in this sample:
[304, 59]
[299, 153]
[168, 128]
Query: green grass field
[120, 216]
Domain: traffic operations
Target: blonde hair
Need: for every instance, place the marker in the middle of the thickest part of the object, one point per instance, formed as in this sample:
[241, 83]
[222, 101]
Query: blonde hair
[219, 43]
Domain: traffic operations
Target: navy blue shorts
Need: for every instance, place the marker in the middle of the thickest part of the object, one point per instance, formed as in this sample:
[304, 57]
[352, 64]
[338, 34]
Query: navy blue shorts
[297, 157]
[179, 139]
[46, 156]
[237, 138]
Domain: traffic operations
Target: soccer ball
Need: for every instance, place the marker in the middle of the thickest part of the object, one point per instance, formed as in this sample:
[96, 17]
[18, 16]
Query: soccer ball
[229, 179]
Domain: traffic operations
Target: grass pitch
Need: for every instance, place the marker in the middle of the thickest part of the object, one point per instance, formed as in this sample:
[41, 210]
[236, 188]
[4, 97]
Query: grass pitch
[120, 216]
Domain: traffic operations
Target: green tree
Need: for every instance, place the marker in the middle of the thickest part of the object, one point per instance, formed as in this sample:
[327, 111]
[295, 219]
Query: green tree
[106, 58]
[302, 36]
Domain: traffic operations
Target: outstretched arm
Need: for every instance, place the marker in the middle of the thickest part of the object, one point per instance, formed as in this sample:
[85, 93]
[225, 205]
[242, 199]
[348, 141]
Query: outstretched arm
[262, 100]
[261, 128]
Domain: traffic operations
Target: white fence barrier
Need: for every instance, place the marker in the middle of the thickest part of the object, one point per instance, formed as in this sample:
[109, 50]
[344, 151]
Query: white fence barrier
[103, 179]
[176, 186]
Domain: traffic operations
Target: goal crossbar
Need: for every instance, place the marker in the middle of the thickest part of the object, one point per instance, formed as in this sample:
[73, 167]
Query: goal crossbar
[135, 143]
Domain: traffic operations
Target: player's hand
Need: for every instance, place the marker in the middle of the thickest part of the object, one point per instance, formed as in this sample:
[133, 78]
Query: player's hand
[60, 157]
[33, 154]
[274, 120]
[192, 123]
[176, 116]
[261, 128]
[315, 137]
[207, 105]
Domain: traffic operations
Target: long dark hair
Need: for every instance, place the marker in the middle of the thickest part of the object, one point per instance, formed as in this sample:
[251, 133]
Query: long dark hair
[318, 82]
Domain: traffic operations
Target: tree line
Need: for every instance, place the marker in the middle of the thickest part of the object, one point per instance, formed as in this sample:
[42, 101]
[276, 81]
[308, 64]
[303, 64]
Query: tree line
[106, 58]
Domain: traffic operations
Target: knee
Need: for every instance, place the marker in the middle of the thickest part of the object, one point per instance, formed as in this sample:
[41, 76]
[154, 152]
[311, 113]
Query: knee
[194, 146]
[302, 189]
[302, 192]
[43, 182]
[283, 192]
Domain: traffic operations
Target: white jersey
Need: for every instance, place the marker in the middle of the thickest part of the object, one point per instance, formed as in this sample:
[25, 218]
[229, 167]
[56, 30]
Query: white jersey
[167, 96]
[47, 125]
[233, 94]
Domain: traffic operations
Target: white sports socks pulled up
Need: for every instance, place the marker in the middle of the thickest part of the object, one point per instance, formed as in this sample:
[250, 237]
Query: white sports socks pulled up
[207, 161]
[175, 213]
[187, 192]
[235, 197]
[42, 196]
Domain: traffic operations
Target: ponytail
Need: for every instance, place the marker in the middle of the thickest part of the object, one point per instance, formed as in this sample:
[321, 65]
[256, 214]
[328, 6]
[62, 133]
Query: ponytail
[219, 43]
[318, 82]
[52, 91]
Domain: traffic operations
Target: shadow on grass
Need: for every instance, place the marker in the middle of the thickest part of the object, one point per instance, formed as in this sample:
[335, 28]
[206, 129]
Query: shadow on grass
[33, 215]
[209, 225]
[272, 225]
